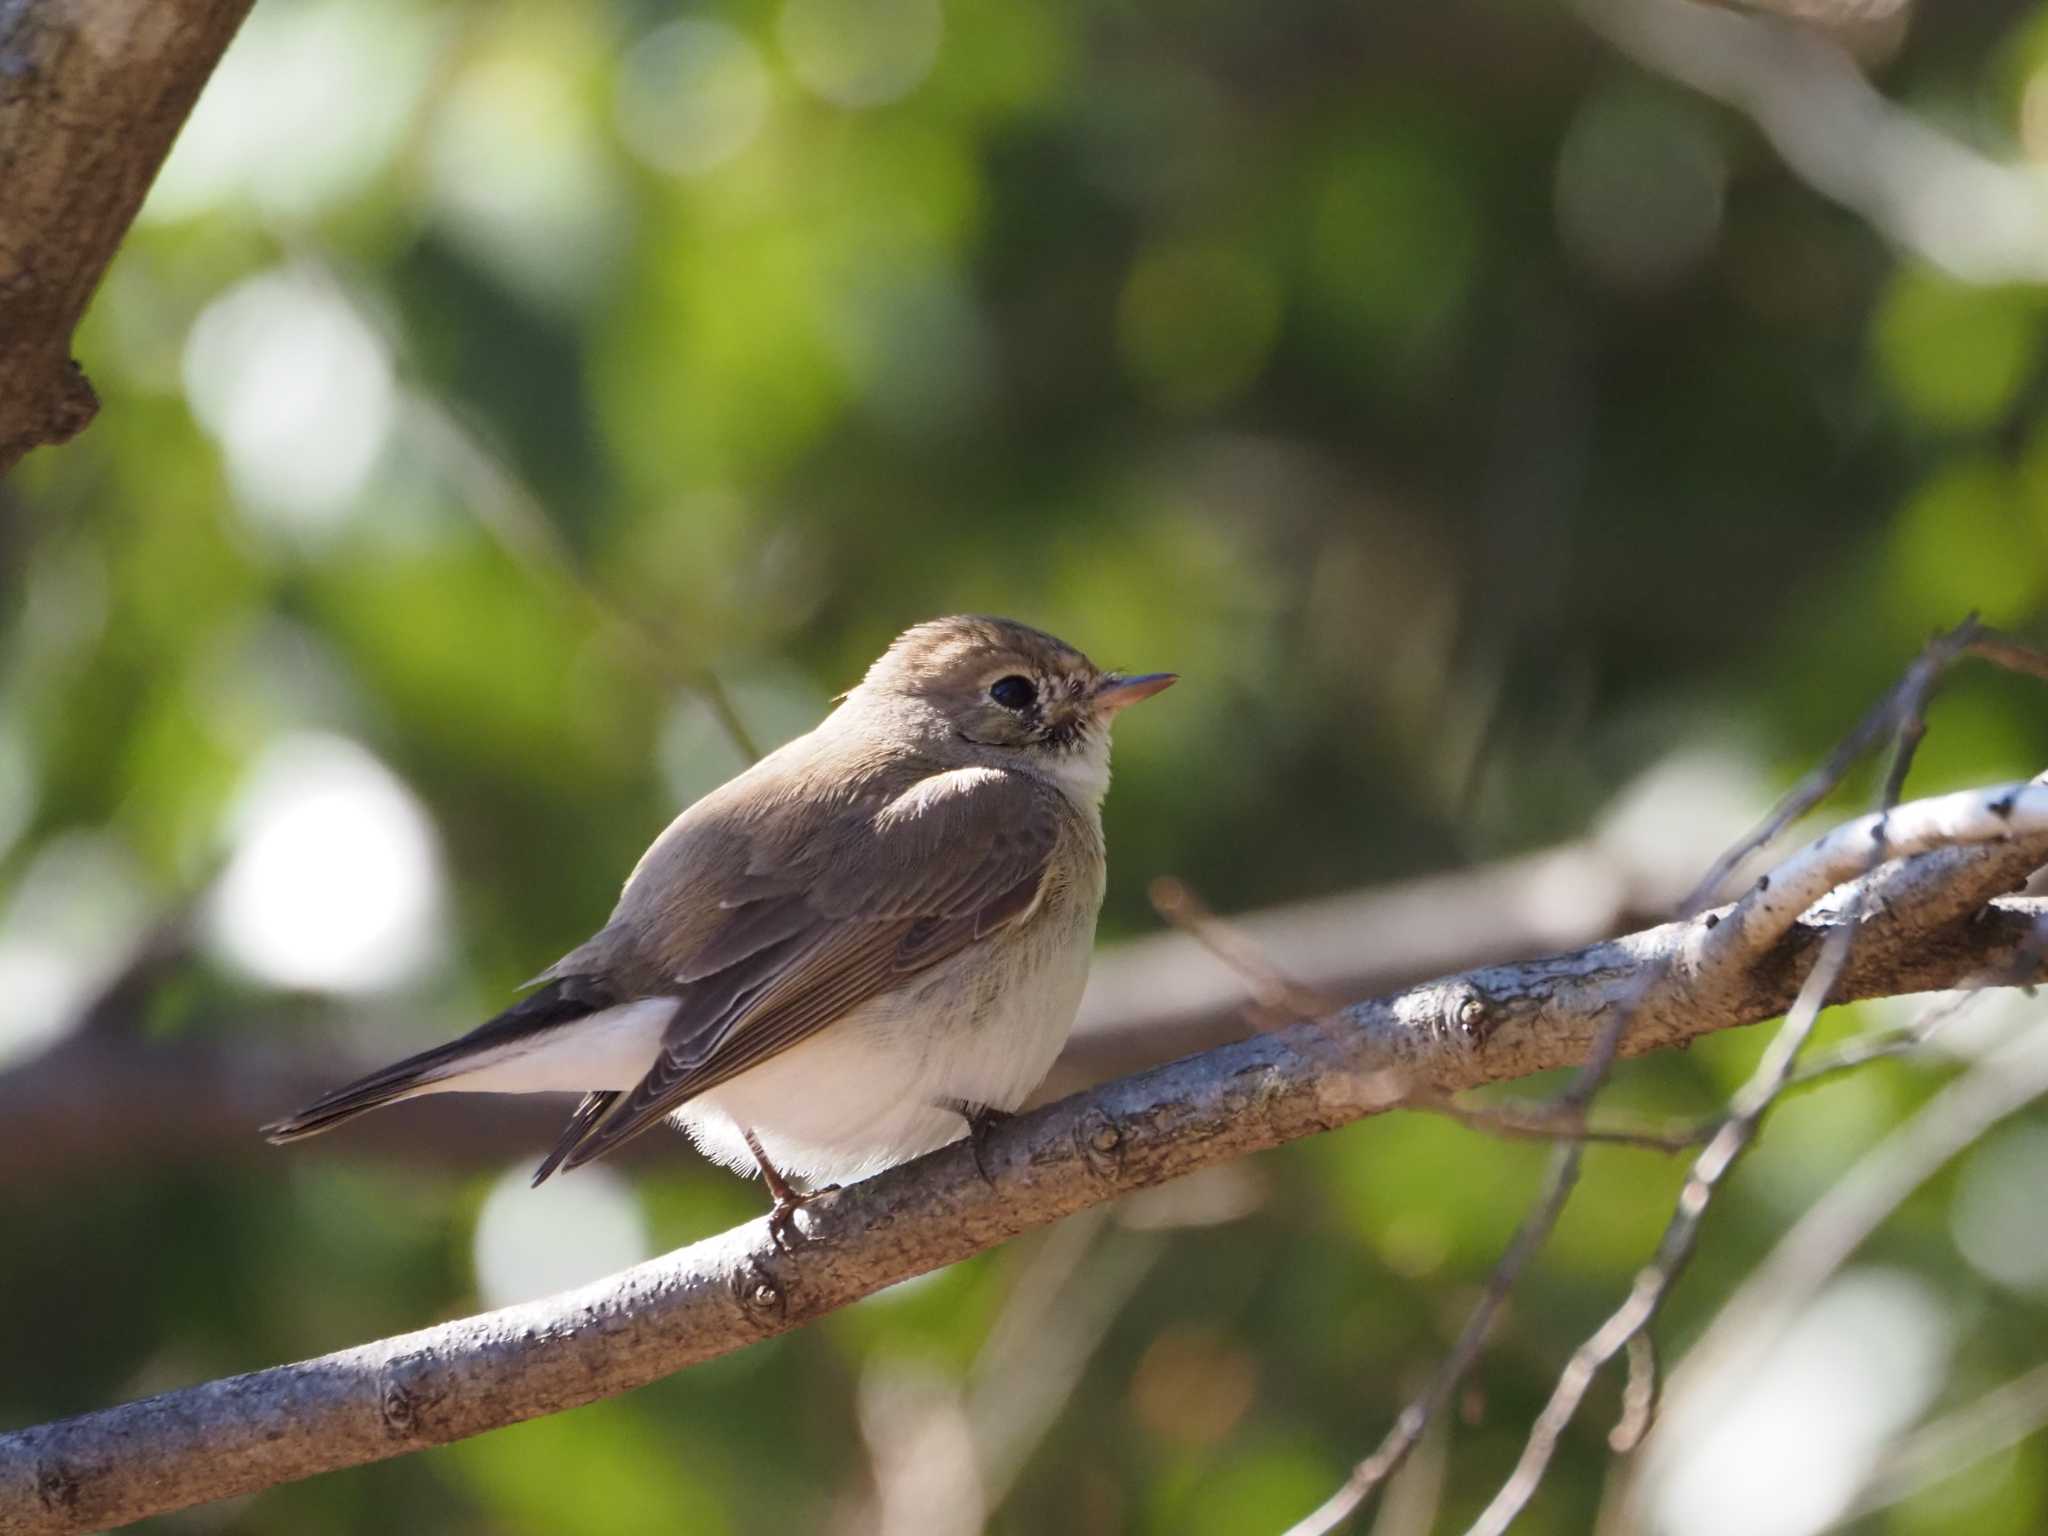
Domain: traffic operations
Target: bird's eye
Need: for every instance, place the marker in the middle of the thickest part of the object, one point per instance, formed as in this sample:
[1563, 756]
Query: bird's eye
[1013, 692]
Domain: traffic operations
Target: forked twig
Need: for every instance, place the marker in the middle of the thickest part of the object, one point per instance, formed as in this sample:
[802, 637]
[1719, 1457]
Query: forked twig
[1758, 922]
[1880, 724]
[1905, 708]
[1655, 1281]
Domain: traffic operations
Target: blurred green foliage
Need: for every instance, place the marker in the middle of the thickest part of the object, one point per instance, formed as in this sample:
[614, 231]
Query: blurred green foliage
[1474, 421]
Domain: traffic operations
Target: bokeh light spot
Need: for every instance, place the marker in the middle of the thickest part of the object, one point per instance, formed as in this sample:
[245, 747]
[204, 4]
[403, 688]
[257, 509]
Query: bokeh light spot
[1782, 1450]
[860, 53]
[296, 390]
[692, 95]
[334, 881]
[1996, 1213]
[1395, 249]
[308, 105]
[573, 1229]
[1196, 323]
[1641, 189]
[521, 181]
[71, 920]
[1956, 354]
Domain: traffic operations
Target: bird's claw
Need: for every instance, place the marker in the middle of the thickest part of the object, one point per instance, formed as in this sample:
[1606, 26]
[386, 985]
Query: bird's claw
[782, 1225]
[981, 1120]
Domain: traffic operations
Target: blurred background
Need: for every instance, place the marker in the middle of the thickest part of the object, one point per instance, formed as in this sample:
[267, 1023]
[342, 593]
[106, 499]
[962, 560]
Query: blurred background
[1531, 431]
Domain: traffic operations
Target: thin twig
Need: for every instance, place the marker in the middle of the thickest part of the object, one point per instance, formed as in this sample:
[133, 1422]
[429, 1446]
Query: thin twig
[2012, 654]
[1733, 1137]
[1415, 1494]
[1924, 1028]
[1902, 713]
[513, 514]
[1877, 1045]
[460, 1378]
[1549, 1120]
[1674, 1251]
[1278, 1000]
[1995, 1087]
[1559, 1182]
[508, 508]
[1639, 1397]
[1951, 1445]
[1880, 724]
[1421, 1410]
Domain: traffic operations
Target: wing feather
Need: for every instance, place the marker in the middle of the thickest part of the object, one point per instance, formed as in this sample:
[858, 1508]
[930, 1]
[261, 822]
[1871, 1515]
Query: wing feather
[898, 886]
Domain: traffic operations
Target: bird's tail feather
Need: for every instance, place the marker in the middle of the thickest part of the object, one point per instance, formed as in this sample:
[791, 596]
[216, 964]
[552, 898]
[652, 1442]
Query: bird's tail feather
[588, 1113]
[400, 1080]
[559, 1002]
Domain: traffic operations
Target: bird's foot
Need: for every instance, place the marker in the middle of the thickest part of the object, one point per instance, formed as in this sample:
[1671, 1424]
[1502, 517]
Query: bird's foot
[981, 1120]
[782, 1225]
[787, 1197]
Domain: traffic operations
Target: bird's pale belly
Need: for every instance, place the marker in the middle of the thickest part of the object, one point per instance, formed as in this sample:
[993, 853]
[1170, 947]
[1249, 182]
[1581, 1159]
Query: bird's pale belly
[871, 1090]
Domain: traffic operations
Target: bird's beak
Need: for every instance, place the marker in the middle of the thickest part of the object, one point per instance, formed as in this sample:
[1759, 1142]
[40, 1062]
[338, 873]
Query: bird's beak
[1116, 691]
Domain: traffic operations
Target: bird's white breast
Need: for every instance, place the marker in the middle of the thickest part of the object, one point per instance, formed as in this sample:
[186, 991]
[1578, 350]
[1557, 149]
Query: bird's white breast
[869, 1091]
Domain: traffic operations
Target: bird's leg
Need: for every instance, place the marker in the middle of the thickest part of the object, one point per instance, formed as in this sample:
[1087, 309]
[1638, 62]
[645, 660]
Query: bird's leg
[788, 1199]
[981, 1119]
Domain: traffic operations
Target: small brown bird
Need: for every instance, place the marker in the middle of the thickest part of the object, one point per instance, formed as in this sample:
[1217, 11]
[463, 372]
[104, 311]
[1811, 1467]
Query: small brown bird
[827, 965]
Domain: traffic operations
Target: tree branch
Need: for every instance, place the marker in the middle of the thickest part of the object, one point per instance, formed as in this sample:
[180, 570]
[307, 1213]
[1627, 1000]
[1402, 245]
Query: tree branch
[1941, 884]
[92, 92]
[1979, 219]
[106, 1097]
[459, 1379]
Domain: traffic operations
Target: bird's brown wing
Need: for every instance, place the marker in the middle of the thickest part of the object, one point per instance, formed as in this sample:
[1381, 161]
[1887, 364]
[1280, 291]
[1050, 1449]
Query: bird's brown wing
[886, 889]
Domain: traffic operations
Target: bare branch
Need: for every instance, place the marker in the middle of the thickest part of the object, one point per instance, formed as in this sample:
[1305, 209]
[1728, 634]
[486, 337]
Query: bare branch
[1833, 14]
[104, 1097]
[91, 94]
[514, 515]
[1905, 699]
[1999, 1085]
[2016, 813]
[1424, 1410]
[1981, 220]
[1728, 941]
[1952, 1444]
[1639, 1397]
[2013, 654]
[461, 1378]
[1654, 1282]
[1751, 922]
[1167, 995]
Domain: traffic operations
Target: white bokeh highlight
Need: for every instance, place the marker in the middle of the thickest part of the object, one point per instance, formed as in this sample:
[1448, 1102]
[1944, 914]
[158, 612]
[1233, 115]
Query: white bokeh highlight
[18, 794]
[1668, 825]
[299, 394]
[696, 753]
[860, 53]
[1996, 1214]
[914, 342]
[692, 95]
[1780, 1446]
[309, 104]
[334, 881]
[1641, 191]
[71, 920]
[573, 1229]
[518, 177]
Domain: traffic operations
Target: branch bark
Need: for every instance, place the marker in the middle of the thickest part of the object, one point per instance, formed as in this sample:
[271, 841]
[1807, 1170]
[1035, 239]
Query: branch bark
[1483, 1026]
[106, 1098]
[92, 92]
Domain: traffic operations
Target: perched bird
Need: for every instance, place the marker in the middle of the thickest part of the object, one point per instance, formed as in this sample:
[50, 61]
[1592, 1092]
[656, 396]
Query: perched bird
[828, 964]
